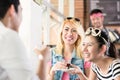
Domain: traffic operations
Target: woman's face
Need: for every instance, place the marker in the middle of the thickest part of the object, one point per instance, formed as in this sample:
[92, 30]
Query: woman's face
[69, 34]
[90, 48]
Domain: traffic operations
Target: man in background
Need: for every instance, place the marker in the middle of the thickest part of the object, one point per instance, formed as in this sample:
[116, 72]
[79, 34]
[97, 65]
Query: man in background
[14, 62]
[97, 21]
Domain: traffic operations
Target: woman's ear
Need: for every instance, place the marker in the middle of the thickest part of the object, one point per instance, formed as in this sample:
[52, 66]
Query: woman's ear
[103, 48]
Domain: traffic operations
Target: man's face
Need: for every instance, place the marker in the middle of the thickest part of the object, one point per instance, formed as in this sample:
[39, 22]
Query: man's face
[97, 20]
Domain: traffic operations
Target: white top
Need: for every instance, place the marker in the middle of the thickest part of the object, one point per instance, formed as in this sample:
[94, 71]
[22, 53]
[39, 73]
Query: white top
[14, 63]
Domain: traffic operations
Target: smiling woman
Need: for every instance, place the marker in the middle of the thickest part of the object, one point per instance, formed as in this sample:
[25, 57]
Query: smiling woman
[67, 51]
[105, 65]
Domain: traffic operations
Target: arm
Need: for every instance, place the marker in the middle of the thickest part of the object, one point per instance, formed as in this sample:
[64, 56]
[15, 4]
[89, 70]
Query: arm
[14, 59]
[59, 65]
[44, 71]
[50, 73]
[87, 71]
[117, 78]
[91, 76]
[42, 67]
[51, 69]
[82, 76]
[41, 72]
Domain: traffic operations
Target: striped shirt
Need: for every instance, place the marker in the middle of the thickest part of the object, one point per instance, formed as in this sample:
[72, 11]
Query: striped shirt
[113, 71]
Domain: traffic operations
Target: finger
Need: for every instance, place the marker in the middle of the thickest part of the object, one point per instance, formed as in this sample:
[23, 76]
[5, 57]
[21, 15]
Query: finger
[72, 65]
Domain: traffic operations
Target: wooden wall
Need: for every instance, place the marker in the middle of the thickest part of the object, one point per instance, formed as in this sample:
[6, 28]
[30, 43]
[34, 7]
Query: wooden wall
[82, 12]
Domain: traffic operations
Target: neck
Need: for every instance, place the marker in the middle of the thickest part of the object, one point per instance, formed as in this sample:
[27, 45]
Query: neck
[102, 27]
[68, 48]
[5, 21]
[101, 60]
[8, 24]
[68, 52]
[106, 61]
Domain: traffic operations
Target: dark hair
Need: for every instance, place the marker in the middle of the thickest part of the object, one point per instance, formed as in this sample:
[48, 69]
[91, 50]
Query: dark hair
[112, 51]
[95, 11]
[5, 4]
[111, 47]
[103, 40]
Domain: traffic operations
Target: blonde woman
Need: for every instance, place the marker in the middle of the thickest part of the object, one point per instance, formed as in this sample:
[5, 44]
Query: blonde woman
[67, 51]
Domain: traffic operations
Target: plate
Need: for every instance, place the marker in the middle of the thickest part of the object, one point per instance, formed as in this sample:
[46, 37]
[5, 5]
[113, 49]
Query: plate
[66, 70]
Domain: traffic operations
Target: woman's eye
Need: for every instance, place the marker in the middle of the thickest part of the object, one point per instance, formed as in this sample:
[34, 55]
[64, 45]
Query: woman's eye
[66, 29]
[89, 44]
[83, 44]
[74, 30]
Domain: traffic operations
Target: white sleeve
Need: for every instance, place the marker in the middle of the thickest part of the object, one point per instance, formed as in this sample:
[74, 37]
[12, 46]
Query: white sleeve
[14, 60]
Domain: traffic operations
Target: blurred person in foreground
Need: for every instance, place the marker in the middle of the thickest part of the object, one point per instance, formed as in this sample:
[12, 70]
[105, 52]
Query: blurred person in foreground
[14, 62]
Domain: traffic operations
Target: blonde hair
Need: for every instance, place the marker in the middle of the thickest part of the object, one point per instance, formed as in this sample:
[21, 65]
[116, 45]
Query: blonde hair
[60, 44]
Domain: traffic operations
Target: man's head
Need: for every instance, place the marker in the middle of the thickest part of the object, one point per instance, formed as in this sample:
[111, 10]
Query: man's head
[97, 18]
[11, 13]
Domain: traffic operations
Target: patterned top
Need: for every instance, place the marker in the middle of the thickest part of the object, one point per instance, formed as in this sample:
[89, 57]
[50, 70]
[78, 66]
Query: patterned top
[113, 71]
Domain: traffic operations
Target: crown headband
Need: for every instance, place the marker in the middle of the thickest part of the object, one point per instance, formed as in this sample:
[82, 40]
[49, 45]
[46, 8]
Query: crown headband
[96, 15]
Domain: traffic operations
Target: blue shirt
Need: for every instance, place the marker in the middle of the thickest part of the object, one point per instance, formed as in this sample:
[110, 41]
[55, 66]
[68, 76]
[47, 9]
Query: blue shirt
[75, 60]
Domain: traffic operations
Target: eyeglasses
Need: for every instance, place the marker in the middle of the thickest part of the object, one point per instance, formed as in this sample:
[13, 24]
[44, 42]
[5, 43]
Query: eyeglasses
[93, 31]
[76, 19]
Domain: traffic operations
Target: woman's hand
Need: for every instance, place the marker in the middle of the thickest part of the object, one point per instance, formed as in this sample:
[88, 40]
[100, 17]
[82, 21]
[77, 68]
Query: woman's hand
[59, 65]
[78, 71]
[74, 70]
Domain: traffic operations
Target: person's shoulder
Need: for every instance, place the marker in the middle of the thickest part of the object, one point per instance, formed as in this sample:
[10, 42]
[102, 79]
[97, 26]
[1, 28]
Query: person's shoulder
[8, 36]
[11, 40]
[113, 35]
[116, 62]
[8, 33]
[12, 36]
[109, 29]
[3, 31]
[53, 50]
[93, 65]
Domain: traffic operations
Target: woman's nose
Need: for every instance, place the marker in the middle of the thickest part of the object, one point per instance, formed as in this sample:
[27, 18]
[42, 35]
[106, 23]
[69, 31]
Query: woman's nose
[84, 48]
[70, 32]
